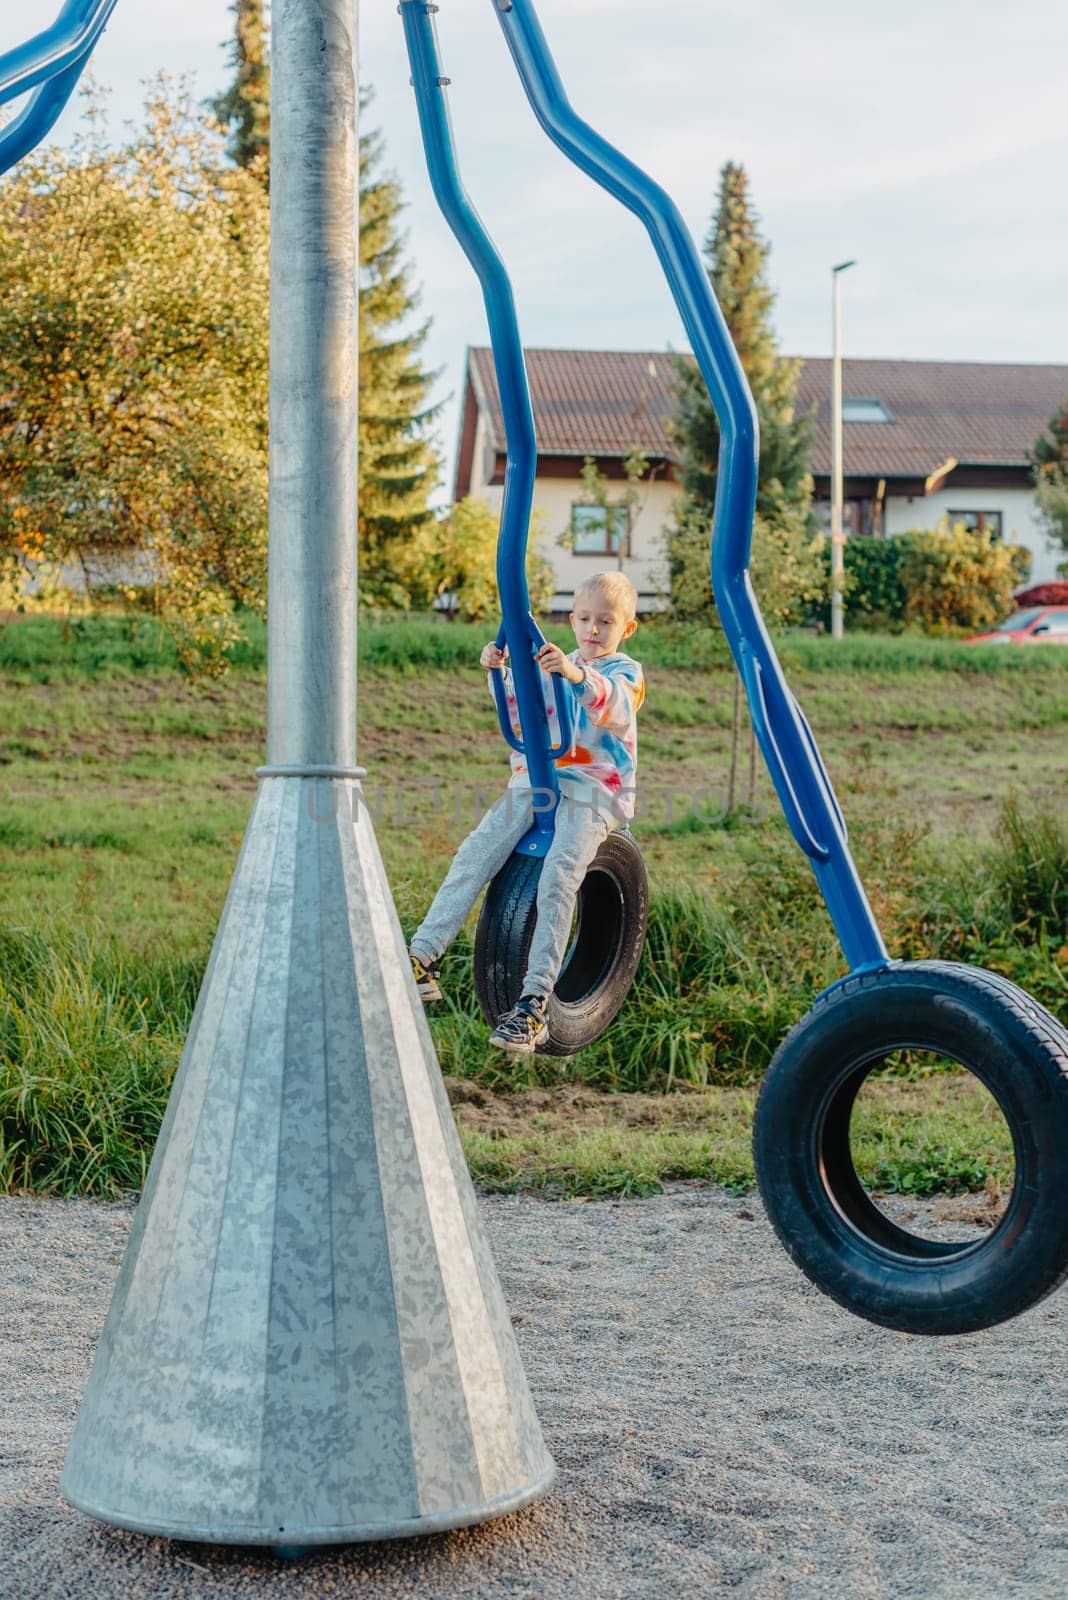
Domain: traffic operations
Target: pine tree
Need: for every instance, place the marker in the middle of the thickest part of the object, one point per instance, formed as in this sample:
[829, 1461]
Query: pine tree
[1050, 463]
[736, 258]
[786, 564]
[398, 464]
[244, 108]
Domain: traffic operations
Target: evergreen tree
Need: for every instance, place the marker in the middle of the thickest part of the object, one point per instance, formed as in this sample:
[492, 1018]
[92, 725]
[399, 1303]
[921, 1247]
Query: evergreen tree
[1050, 462]
[786, 566]
[244, 108]
[398, 464]
[736, 258]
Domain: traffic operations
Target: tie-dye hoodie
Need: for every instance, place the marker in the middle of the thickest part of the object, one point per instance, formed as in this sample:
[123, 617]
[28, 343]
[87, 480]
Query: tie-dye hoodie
[604, 744]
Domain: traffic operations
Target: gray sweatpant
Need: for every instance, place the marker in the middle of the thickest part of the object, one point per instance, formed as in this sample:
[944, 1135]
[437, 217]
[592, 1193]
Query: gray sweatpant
[584, 818]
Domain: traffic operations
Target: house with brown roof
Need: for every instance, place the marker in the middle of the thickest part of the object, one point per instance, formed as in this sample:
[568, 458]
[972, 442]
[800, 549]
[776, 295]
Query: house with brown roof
[598, 403]
[922, 440]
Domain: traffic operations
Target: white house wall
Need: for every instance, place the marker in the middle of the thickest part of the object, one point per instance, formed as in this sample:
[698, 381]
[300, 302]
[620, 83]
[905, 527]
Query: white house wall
[554, 497]
[1019, 520]
[482, 461]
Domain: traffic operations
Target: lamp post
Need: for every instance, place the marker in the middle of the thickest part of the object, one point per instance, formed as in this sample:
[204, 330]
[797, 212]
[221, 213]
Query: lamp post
[837, 528]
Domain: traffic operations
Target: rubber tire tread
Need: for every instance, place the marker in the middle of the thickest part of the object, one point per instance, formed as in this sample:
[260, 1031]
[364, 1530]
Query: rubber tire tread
[506, 928]
[1020, 1052]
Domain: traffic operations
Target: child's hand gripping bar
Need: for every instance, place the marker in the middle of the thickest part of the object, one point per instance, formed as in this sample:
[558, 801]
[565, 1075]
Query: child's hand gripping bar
[562, 696]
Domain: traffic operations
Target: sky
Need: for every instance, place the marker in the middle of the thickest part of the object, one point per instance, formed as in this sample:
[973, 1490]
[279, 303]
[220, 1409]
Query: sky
[928, 140]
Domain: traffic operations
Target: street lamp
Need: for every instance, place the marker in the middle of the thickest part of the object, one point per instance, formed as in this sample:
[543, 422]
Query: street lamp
[837, 529]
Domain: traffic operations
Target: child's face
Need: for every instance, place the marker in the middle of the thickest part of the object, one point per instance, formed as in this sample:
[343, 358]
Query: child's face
[600, 625]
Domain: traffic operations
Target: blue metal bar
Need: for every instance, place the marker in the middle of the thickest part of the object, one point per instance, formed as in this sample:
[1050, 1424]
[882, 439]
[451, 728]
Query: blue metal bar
[798, 774]
[563, 699]
[518, 629]
[50, 65]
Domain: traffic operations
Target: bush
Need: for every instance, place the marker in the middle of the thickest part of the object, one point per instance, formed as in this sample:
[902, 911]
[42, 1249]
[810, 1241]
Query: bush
[959, 578]
[939, 580]
[467, 561]
[874, 586]
[788, 566]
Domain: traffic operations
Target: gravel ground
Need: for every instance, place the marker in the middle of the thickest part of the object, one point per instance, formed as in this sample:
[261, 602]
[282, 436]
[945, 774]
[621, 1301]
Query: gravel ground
[719, 1428]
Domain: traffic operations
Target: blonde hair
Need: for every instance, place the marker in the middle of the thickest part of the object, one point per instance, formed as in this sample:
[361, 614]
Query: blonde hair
[616, 588]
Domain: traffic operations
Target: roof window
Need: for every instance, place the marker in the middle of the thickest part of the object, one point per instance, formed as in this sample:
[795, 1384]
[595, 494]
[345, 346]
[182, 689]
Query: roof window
[864, 408]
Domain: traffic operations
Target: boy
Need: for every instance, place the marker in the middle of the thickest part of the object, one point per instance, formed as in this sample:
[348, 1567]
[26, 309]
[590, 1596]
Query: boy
[596, 796]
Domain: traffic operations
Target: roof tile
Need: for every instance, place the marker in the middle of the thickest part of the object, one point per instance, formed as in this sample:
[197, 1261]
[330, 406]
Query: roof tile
[603, 402]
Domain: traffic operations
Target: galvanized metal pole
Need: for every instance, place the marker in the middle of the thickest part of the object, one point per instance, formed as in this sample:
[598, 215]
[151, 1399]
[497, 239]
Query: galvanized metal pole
[311, 675]
[308, 1343]
[837, 487]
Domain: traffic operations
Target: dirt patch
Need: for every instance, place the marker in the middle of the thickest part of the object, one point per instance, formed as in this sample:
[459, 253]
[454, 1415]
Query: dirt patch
[563, 1109]
[983, 1210]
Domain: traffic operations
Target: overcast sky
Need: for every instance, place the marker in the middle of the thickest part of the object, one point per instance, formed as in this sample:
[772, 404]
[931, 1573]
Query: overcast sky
[928, 140]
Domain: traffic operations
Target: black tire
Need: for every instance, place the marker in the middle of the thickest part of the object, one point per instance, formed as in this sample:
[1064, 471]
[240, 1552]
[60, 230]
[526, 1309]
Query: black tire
[817, 1204]
[598, 968]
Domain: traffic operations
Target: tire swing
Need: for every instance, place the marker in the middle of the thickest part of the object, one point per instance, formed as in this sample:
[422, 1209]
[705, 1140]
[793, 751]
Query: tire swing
[970, 1017]
[608, 933]
[802, 1143]
[611, 910]
[815, 1199]
[601, 960]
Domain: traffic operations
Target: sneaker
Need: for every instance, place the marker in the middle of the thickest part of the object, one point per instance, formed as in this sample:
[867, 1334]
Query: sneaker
[524, 1027]
[427, 979]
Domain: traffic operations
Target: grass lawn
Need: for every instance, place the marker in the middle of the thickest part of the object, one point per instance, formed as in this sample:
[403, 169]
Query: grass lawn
[125, 788]
[935, 1135]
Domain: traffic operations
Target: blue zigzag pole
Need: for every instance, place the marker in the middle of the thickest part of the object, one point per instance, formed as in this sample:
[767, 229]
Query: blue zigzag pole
[47, 67]
[797, 771]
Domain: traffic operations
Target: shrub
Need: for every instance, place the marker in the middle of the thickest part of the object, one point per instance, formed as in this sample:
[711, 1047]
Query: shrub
[959, 578]
[940, 580]
[788, 565]
[876, 591]
[467, 561]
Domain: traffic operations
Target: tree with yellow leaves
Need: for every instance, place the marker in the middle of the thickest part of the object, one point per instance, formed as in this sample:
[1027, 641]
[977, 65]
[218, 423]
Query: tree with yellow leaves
[133, 367]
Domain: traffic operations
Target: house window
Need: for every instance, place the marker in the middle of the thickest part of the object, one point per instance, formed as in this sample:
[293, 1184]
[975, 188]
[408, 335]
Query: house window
[858, 517]
[600, 531]
[864, 408]
[980, 521]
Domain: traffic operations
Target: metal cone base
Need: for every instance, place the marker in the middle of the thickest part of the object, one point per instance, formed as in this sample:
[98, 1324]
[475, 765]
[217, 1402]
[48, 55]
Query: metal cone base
[307, 1343]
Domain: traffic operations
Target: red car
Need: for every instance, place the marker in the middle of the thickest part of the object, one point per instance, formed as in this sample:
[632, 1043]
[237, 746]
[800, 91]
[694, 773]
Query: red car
[1036, 625]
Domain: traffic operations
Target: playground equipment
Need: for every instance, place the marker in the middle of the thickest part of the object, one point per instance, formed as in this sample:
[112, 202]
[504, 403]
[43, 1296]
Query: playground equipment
[49, 65]
[308, 1343]
[1012, 1044]
[611, 911]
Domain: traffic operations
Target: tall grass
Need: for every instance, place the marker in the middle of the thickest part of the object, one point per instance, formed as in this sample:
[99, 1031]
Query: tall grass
[89, 1042]
[1004, 906]
[41, 649]
[37, 649]
[90, 1034]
